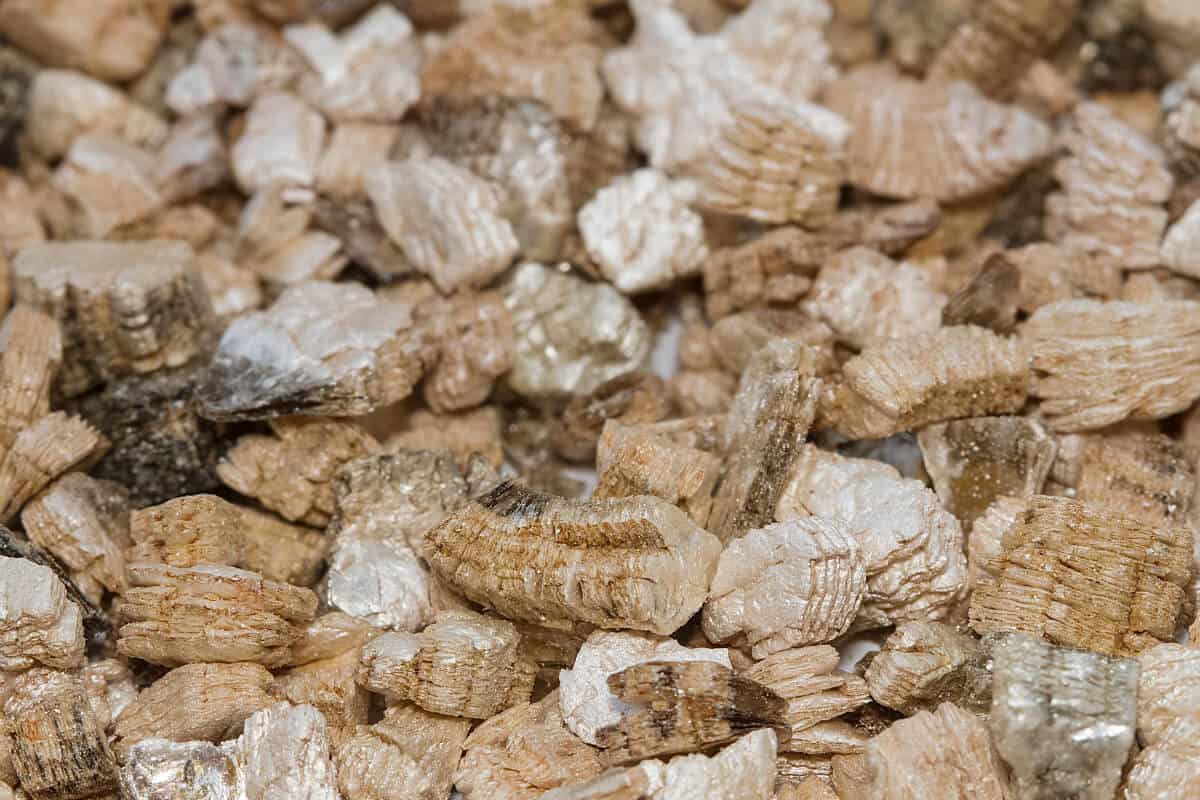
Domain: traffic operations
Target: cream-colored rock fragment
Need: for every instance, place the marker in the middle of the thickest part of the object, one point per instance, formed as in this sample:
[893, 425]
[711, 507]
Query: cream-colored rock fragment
[1182, 243]
[48, 448]
[1099, 363]
[329, 635]
[84, 523]
[1115, 182]
[280, 551]
[281, 143]
[108, 183]
[1051, 272]
[1148, 476]
[159, 769]
[629, 563]
[737, 338]
[331, 686]
[194, 702]
[64, 104]
[110, 688]
[638, 398]
[1168, 723]
[981, 145]
[867, 298]
[903, 384]
[791, 583]
[1086, 576]
[274, 239]
[193, 158]
[923, 664]
[784, 44]
[322, 348]
[585, 700]
[641, 233]
[186, 531]
[284, 753]
[214, 613]
[463, 665]
[911, 546]
[354, 150]
[450, 224]
[31, 353]
[1181, 120]
[382, 581]
[773, 269]
[113, 40]
[233, 65]
[410, 754]
[38, 623]
[946, 753]
[367, 72]
[815, 690]
[20, 224]
[573, 335]
[473, 340]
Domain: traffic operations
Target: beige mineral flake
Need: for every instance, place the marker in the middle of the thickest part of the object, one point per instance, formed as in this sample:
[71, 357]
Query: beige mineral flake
[39, 624]
[924, 664]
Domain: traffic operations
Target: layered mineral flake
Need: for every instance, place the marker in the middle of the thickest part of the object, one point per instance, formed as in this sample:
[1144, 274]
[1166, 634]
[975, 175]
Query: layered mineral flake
[1168, 723]
[186, 531]
[159, 769]
[284, 752]
[39, 624]
[410, 754]
[925, 664]
[814, 689]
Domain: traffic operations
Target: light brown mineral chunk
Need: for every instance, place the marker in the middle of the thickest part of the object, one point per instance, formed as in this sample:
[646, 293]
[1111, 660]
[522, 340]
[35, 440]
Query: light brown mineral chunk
[629, 563]
[354, 150]
[48, 448]
[1168, 724]
[274, 241]
[175, 616]
[280, 551]
[463, 665]
[64, 104]
[197, 701]
[107, 184]
[1099, 363]
[59, 748]
[974, 461]
[790, 583]
[1148, 476]
[20, 224]
[281, 144]
[329, 685]
[946, 753]
[738, 337]
[1050, 272]
[923, 664]
[125, 308]
[1086, 576]
[983, 144]
[186, 531]
[637, 398]
[32, 354]
[284, 753]
[38, 623]
[292, 472]
[410, 754]
[985, 544]
[989, 299]
[903, 384]
[233, 65]
[773, 269]
[475, 343]
[808, 679]
[329, 635]
[464, 434]
[683, 707]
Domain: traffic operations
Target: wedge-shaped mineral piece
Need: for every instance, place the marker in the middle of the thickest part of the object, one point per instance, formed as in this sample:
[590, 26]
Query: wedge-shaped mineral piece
[463, 665]
[284, 753]
[84, 523]
[808, 679]
[630, 563]
[59, 747]
[773, 269]
[910, 544]
[1115, 182]
[193, 159]
[1000, 42]
[281, 144]
[1168, 723]
[682, 707]
[38, 623]
[1099, 363]
[981, 146]
[32, 353]
[367, 72]
[1062, 719]
[321, 348]
[946, 753]
[1051, 272]
[64, 104]
[572, 335]
[974, 461]
[125, 308]
[925, 664]
[867, 298]
[410, 754]
[175, 616]
[641, 233]
[522, 752]
[775, 403]
[1087, 576]
[159, 769]
[48, 448]
[186, 531]
[550, 54]
[990, 299]
[197, 701]
[587, 703]
[904, 384]
[275, 243]
[791, 583]
[280, 551]
[108, 183]
[331, 686]
[745, 770]
[451, 224]
[1148, 476]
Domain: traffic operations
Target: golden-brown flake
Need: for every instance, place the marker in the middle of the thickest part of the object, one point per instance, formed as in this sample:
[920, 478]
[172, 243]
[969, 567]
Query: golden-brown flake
[292, 471]
[186, 531]
[175, 616]
[84, 523]
[683, 707]
[775, 268]
[1000, 42]
[280, 551]
[194, 702]
[32, 353]
[1086, 576]
[815, 690]
[353, 151]
[1149, 476]
[125, 308]
[985, 544]
[946, 753]
[1115, 182]
[630, 563]
[552, 55]
[38, 623]
[48, 448]
[329, 635]
[923, 664]
[59, 747]
[791, 583]
[635, 399]
[463, 665]
[989, 299]
[1168, 723]
[1099, 363]
[329, 685]
[472, 333]
[978, 145]
[410, 754]
[903, 384]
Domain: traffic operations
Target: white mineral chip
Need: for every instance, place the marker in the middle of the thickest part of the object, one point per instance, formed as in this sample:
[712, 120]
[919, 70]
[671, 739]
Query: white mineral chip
[109, 183]
[282, 143]
[192, 159]
[284, 754]
[233, 65]
[65, 104]
[381, 581]
[38, 623]
[158, 769]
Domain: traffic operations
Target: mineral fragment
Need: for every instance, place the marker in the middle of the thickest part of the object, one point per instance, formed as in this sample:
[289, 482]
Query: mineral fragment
[808, 679]
[924, 664]
[186, 531]
[472, 334]
[775, 268]
[1168, 721]
[410, 754]
[637, 398]
[38, 623]
[158, 769]
[331, 686]
[280, 145]
[48, 448]
[284, 753]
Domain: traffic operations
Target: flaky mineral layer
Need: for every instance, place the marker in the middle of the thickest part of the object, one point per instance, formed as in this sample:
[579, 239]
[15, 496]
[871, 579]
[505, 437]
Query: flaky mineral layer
[923, 664]
[815, 690]
[38, 623]
[1168, 723]
[159, 769]
[410, 754]
[189, 530]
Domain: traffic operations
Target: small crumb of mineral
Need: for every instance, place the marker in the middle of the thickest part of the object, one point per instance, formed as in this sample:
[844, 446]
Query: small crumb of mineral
[775, 268]
[808, 679]
[410, 754]
[280, 551]
[637, 398]
[924, 664]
